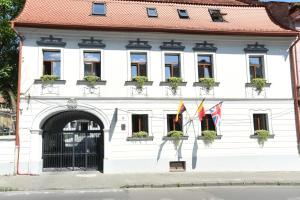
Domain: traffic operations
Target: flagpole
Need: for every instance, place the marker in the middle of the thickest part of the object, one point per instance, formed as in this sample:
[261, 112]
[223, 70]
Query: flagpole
[216, 105]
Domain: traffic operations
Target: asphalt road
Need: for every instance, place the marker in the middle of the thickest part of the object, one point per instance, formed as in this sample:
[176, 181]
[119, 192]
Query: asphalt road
[204, 193]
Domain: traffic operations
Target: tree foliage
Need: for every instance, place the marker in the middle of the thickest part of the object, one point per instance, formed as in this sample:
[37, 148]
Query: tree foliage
[9, 41]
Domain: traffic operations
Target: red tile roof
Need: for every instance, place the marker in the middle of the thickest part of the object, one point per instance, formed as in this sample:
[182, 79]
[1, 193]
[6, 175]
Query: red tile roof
[130, 15]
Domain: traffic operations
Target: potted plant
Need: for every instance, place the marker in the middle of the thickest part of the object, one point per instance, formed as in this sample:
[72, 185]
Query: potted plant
[140, 81]
[91, 79]
[174, 83]
[209, 136]
[259, 83]
[175, 134]
[140, 134]
[263, 135]
[48, 79]
[208, 83]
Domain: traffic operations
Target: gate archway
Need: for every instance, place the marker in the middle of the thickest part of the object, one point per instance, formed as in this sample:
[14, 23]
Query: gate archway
[73, 140]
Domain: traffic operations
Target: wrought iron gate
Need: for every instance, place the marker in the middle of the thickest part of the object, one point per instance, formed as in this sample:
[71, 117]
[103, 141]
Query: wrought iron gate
[78, 146]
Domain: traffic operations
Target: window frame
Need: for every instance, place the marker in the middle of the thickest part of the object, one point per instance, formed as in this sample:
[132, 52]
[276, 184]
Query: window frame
[139, 121]
[268, 112]
[152, 8]
[40, 71]
[92, 62]
[181, 60]
[138, 112]
[265, 70]
[81, 61]
[207, 124]
[99, 3]
[211, 10]
[165, 121]
[141, 53]
[266, 121]
[147, 52]
[186, 16]
[214, 63]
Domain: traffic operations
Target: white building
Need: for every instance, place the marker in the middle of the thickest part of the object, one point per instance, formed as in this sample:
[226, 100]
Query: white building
[70, 125]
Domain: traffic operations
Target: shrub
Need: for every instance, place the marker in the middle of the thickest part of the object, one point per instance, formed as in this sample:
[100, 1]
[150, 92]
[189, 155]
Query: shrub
[175, 81]
[91, 79]
[262, 135]
[175, 134]
[208, 83]
[209, 135]
[49, 78]
[140, 134]
[259, 83]
[140, 80]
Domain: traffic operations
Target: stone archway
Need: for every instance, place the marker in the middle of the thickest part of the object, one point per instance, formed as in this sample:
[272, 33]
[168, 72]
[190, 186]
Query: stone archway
[73, 140]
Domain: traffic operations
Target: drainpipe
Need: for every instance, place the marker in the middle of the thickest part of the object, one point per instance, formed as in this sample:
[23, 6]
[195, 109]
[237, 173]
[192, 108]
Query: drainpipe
[295, 82]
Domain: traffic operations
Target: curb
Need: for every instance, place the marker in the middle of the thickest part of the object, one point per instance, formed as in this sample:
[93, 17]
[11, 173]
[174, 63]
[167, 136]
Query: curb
[208, 184]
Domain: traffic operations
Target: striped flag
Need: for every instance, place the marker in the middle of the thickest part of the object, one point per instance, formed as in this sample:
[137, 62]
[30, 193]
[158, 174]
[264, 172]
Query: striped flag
[201, 111]
[216, 113]
[180, 110]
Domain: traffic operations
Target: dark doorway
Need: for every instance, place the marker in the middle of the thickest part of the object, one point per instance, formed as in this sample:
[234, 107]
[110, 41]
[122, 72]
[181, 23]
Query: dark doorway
[73, 140]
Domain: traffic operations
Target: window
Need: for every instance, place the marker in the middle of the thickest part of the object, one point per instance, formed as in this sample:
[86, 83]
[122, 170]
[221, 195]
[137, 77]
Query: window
[172, 124]
[183, 14]
[205, 66]
[256, 67]
[152, 12]
[216, 15]
[207, 123]
[138, 64]
[139, 123]
[51, 62]
[260, 122]
[92, 63]
[172, 66]
[99, 9]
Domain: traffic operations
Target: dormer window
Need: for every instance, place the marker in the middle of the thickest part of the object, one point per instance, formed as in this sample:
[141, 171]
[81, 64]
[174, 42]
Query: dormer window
[152, 12]
[216, 15]
[99, 9]
[183, 14]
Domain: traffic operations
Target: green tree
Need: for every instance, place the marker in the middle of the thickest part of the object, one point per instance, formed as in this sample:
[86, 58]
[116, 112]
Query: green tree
[9, 42]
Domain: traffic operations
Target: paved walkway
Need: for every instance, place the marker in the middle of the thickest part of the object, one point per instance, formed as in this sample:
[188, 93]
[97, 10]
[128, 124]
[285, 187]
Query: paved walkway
[96, 180]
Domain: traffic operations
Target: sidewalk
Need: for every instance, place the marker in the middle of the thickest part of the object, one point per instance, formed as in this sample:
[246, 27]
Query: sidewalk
[96, 180]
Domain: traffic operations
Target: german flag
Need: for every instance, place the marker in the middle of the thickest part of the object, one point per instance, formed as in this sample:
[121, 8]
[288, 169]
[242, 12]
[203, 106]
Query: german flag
[180, 110]
[201, 111]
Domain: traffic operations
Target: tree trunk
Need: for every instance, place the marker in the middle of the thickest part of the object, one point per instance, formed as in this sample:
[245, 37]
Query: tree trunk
[12, 99]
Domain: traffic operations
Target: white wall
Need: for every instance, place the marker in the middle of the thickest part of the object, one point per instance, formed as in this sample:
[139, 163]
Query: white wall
[234, 152]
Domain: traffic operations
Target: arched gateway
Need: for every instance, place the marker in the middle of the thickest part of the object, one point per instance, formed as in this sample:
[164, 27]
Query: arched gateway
[73, 140]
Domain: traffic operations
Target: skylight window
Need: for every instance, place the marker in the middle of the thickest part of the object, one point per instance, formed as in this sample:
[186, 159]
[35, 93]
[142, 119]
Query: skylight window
[216, 15]
[183, 14]
[152, 12]
[99, 9]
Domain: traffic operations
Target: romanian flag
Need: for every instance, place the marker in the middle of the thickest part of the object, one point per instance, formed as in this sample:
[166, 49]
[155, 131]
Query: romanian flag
[180, 110]
[201, 111]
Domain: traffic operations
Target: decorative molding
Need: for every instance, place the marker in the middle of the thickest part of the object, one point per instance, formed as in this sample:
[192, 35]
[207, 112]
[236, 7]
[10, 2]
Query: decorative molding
[172, 46]
[205, 46]
[172, 138]
[138, 44]
[134, 83]
[91, 43]
[200, 137]
[256, 48]
[84, 82]
[148, 138]
[72, 103]
[51, 41]
[56, 82]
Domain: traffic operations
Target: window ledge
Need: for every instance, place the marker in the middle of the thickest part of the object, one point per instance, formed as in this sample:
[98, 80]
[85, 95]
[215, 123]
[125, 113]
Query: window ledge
[251, 85]
[7, 138]
[256, 136]
[167, 83]
[57, 82]
[148, 138]
[147, 83]
[172, 138]
[200, 137]
[216, 84]
[84, 82]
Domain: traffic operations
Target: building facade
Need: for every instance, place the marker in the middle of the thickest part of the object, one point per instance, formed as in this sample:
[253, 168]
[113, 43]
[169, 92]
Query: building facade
[70, 120]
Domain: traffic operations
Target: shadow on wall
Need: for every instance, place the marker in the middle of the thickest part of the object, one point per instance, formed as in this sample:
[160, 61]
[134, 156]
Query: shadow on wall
[113, 123]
